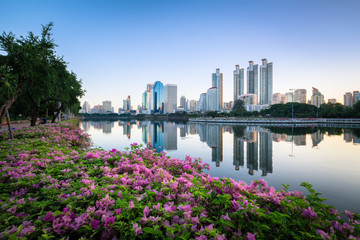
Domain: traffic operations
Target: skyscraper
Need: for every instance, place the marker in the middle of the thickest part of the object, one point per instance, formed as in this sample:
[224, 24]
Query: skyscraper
[170, 98]
[300, 95]
[107, 106]
[266, 82]
[252, 79]
[238, 82]
[348, 99]
[217, 82]
[86, 107]
[201, 105]
[317, 98]
[192, 105]
[183, 102]
[157, 98]
[211, 99]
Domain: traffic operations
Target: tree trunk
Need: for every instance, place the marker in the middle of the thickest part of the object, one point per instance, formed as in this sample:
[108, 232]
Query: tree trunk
[57, 114]
[9, 125]
[7, 104]
[34, 117]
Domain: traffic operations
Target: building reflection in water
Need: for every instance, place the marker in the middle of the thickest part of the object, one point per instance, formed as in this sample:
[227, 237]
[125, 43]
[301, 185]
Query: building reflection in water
[160, 135]
[316, 138]
[215, 142]
[252, 145]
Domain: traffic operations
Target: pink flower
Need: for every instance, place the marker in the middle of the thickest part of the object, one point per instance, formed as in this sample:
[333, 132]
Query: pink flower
[251, 236]
[131, 204]
[12, 210]
[146, 211]
[210, 227]
[323, 234]
[137, 229]
[109, 221]
[309, 213]
[225, 217]
[49, 217]
[95, 223]
[118, 211]
[187, 167]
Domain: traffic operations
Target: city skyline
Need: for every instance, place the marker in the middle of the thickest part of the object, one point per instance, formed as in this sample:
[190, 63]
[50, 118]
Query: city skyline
[116, 49]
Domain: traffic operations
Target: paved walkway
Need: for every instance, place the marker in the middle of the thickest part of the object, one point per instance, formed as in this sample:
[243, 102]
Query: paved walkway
[15, 125]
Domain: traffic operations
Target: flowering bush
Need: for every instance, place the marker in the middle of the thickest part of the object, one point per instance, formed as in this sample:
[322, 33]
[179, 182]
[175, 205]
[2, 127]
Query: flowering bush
[52, 186]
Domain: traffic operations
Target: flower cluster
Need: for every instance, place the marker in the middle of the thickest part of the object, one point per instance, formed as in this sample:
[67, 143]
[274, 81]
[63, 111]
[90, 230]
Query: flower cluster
[52, 186]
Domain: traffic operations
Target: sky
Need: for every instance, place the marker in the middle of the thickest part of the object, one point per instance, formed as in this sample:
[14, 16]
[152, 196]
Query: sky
[117, 47]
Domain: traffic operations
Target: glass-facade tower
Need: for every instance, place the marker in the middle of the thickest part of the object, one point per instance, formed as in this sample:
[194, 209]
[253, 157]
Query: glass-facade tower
[157, 98]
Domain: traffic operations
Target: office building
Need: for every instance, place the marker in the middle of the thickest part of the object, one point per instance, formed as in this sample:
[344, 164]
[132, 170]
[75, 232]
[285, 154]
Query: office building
[192, 106]
[249, 99]
[238, 82]
[252, 79]
[317, 98]
[170, 98]
[211, 99]
[86, 107]
[183, 102]
[348, 99]
[217, 82]
[127, 104]
[107, 106]
[201, 104]
[289, 97]
[300, 95]
[356, 97]
[266, 82]
[332, 100]
[157, 98]
[276, 98]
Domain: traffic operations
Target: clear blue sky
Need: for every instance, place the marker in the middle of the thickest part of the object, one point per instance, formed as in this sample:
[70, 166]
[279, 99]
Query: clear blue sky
[117, 47]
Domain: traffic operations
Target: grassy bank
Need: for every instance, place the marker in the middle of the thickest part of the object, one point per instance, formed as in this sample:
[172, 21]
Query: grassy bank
[52, 187]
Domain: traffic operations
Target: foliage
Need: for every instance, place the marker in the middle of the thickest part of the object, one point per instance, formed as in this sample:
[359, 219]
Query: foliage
[301, 110]
[239, 109]
[52, 187]
[32, 75]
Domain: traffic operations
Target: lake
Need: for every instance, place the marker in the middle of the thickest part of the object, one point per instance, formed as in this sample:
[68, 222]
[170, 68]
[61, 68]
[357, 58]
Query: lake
[328, 158]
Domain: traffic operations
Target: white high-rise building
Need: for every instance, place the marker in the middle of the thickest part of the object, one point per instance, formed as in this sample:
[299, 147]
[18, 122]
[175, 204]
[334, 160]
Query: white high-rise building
[266, 82]
[238, 82]
[348, 99]
[201, 105]
[170, 98]
[300, 95]
[193, 105]
[217, 82]
[276, 98]
[252, 78]
[107, 106]
[317, 98]
[183, 102]
[211, 99]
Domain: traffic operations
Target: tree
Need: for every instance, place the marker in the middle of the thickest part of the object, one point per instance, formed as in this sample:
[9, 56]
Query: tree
[36, 76]
[26, 61]
[239, 109]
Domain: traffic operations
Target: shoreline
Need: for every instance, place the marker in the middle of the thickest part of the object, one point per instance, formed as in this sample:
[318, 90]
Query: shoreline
[282, 121]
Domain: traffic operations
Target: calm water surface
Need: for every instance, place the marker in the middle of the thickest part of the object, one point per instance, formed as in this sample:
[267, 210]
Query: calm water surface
[328, 158]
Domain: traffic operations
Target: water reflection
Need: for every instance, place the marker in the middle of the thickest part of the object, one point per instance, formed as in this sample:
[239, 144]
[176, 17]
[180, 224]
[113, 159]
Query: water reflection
[281, 155]
[252, 145]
